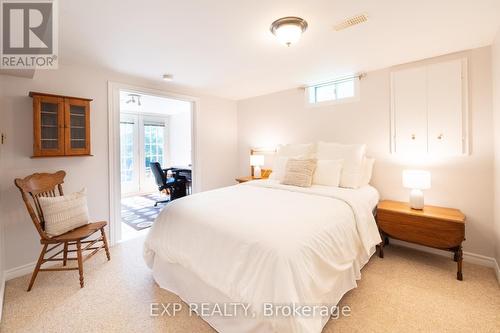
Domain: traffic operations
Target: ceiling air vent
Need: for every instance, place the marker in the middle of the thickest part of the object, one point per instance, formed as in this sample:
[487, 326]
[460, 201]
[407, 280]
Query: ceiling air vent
[358, 19]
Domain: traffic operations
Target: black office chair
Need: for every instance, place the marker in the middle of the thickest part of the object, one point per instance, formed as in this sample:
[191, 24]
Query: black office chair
[185, 174]
[176, 185]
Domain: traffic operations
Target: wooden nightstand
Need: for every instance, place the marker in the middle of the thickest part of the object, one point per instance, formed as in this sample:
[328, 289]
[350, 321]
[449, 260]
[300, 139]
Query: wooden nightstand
[245, 179]
[436, 227]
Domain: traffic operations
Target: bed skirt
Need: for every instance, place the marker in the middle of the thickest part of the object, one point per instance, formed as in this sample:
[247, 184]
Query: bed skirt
[195, 292]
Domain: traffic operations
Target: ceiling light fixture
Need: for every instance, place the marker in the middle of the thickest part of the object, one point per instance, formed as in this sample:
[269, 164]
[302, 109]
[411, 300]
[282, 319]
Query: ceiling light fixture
[288, 29]
[168, 77]
[133, 99]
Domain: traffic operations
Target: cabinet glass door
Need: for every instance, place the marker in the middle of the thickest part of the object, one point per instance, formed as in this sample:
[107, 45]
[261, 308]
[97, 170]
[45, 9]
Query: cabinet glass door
[77, 127]
[49, 123]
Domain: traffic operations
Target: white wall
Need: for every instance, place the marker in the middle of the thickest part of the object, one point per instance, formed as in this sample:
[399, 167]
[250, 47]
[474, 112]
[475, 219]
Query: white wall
[464, 182]
[179, 129]
[216, 143]
[2, 217]
[496, 123]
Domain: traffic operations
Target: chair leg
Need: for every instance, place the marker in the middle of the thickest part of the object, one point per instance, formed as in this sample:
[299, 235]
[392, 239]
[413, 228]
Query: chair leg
[65, 254]
[161, 201]
[105, 241]
[80, 261]
[37, 267]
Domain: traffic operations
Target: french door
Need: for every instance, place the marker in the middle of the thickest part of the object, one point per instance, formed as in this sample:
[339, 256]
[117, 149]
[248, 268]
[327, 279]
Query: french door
[143, 139]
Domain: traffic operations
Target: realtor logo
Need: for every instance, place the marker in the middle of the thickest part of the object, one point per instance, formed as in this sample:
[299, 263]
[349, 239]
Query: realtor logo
[29, 34]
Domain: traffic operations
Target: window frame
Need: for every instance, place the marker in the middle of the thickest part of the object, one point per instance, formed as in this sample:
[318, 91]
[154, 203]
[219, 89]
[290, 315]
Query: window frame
[353, 99]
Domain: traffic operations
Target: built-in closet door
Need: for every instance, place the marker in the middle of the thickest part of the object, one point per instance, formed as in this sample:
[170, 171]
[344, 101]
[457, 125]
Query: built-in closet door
[409, 110]
[429, 109]
[445, 105]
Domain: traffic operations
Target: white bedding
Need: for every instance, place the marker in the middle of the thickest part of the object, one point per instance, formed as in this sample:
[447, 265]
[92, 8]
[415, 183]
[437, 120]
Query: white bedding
[263, 242]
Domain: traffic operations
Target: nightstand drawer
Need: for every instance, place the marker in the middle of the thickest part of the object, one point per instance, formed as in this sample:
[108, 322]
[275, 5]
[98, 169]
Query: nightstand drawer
[421, 230]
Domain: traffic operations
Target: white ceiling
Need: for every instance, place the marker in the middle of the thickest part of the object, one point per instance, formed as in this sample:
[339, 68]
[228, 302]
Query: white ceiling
[224, 47]
[152, 104]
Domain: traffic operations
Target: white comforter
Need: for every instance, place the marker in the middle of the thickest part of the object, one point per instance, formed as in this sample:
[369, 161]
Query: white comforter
[262, 242]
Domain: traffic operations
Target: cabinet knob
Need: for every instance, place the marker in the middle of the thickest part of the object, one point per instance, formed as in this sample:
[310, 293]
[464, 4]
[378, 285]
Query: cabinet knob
[440, 136]
[413, 136]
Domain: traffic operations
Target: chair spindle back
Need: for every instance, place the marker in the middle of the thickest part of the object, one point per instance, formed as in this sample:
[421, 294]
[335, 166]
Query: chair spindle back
[39, 185]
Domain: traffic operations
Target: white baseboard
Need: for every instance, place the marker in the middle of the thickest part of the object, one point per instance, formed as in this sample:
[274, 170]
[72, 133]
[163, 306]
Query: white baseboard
[19, 271]
[2, 292]
[470, 257]
[26, 269]
[497, 271]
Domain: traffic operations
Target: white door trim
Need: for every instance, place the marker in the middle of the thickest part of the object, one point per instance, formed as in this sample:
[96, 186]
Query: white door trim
[114, 147]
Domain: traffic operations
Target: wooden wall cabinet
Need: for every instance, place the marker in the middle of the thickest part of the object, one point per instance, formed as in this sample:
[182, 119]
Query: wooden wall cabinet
[61, 125]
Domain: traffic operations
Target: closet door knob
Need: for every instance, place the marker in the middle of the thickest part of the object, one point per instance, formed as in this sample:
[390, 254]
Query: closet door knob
[440, 136]
[413, 136]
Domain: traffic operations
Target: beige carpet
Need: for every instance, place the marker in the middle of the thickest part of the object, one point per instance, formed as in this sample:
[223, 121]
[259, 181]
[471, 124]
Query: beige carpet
[408, 291]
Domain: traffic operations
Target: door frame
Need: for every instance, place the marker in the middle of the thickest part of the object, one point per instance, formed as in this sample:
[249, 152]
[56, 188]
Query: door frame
[114, 89]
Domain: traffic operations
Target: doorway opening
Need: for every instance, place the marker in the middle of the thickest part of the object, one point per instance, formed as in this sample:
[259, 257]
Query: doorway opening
[153, 129]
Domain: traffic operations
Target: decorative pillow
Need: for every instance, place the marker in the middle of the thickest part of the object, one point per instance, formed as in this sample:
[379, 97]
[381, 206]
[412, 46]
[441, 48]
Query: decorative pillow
[367, 171]
[299, 172]
[328, 172]
[64, 213]
[294, 150]
[352, 169]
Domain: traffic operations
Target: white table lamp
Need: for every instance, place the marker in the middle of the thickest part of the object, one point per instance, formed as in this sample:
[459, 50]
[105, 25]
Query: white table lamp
[257, 161]
[417, 180]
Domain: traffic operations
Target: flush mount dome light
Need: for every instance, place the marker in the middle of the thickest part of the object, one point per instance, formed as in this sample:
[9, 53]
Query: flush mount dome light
[168, 77]
[288, 29]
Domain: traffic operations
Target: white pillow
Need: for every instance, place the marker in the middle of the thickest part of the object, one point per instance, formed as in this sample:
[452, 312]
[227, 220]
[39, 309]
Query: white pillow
[305, 150]
[352, 169]
[64, 213]
[328, 172]
[279, 168]
[367, 171]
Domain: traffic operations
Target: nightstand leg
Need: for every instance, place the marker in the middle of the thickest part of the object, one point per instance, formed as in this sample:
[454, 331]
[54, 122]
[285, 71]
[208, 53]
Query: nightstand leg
[381, 250]
[385, 241]
[459, 257]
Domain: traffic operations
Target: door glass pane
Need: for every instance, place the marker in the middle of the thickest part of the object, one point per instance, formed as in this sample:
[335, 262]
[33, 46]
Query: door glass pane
[50, 125]
[77, 126]
[127, 151]
[154, 142]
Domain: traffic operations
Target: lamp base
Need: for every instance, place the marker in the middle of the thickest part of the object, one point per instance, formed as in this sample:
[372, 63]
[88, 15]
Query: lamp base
[257, 172]
[417, 199]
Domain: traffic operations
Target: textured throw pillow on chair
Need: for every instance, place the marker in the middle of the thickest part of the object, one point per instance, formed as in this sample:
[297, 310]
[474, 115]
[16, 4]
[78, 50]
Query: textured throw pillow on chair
[64, 213]
[299, 172]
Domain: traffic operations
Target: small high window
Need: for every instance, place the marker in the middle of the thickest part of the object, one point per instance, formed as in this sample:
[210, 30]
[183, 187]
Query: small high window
[342, 90]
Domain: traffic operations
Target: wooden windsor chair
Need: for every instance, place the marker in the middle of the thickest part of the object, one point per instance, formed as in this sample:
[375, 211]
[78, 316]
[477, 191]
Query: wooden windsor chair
[50, 185]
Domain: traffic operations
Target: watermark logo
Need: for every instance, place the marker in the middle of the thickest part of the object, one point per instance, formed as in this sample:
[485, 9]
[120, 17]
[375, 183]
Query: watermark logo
[234, 309]
[29, 34]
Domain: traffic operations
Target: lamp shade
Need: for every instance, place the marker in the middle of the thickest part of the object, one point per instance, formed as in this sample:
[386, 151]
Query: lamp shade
[417, 179]
[256, 160]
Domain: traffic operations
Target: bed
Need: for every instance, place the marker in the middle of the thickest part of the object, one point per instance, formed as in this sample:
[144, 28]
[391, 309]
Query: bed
[262, 244]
